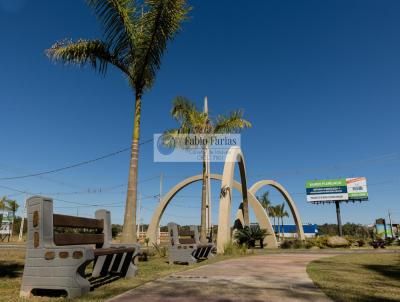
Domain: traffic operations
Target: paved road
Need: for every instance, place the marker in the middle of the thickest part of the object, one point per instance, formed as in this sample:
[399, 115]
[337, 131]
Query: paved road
[276, 277]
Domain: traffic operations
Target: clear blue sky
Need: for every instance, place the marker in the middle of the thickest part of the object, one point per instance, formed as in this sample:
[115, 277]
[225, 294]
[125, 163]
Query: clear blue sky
[319, 80]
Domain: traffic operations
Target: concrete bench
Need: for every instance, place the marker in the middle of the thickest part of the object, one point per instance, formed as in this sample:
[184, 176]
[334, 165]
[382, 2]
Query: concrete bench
[60, 247]
[185, 245]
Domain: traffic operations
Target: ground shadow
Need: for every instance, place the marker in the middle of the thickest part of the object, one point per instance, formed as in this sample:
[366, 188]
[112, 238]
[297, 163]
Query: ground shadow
[390, 271]
[11, 269]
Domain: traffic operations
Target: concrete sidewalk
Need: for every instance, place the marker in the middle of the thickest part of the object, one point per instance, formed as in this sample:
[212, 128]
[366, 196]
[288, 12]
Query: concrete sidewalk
[275, 277]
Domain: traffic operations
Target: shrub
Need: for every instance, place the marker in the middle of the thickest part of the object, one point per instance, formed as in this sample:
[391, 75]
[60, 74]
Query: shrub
[249, 236]
[361, 242]
[320, 242]
[292, 244]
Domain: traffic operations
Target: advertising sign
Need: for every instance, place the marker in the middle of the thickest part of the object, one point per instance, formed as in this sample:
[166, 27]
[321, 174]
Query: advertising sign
[357, 188]
[326, 190]
[342, 189]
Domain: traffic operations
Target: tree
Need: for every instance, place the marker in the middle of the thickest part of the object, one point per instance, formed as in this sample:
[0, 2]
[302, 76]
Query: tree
[135, 39]
[272, 213]
[193, 121]
[12, 205]
[281, 213]
[265, 201]
[3, 203]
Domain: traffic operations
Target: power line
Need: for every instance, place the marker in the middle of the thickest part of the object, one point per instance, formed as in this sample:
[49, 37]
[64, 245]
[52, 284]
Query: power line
[73, 165]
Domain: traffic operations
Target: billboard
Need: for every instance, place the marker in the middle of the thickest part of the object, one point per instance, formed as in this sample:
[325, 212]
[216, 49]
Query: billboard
[341, 189]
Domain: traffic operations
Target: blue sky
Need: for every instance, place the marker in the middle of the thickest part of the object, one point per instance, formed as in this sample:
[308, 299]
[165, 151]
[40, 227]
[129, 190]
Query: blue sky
[319, 80]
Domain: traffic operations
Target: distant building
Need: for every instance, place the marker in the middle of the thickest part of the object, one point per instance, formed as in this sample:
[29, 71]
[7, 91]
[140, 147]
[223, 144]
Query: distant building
[290, 230]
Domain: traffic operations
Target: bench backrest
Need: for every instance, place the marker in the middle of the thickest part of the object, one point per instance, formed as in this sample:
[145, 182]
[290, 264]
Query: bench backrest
[178, 236]
[44, 226]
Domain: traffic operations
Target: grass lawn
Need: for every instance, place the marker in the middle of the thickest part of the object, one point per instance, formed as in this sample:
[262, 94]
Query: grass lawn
[358, 277]
[12, 265]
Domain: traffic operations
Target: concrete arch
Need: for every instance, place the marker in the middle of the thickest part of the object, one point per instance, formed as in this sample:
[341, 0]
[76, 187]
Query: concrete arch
[295, 213]
[259, 212]
[234, 156]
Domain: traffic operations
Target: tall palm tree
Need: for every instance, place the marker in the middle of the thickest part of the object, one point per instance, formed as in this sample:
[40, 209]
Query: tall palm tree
[194, 121]
[281, 213]
[134, 41]
[272, 213]
[265, 201]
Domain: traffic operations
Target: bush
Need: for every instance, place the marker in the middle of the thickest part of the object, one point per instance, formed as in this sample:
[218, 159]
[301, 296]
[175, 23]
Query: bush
[292, 244]
[249, 236]
[361, 242]
[320, 242]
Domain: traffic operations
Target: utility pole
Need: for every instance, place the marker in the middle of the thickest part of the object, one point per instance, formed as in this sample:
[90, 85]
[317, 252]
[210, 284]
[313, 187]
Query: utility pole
[159, 200]
[339, 220]
[208, 180]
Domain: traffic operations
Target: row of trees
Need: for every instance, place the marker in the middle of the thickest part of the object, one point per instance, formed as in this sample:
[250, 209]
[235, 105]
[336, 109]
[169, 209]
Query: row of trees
[274, 211]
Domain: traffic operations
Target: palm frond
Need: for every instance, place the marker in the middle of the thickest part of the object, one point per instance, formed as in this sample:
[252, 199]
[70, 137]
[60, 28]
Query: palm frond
[158, 25]
[119, 23]
[84, 52]
[232, 123]
[181, 108]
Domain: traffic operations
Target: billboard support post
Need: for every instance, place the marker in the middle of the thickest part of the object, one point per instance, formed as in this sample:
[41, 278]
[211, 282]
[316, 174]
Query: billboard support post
[339, 219]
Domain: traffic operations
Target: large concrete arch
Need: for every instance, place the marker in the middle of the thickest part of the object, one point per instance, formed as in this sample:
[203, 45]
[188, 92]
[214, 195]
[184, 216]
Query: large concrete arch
[259, 212]
[234, 156]
[295, 213]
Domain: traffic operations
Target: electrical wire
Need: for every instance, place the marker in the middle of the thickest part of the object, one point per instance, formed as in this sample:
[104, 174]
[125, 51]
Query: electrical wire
[86, 162]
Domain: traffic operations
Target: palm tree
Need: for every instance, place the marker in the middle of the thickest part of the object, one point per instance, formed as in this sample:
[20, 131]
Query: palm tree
[12, 206]
[281, 213]
[272, 213]
[265, 201]
[193, 121]
[135, 39]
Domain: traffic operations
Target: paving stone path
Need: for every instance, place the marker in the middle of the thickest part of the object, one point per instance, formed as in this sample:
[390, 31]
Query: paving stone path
[274, 277]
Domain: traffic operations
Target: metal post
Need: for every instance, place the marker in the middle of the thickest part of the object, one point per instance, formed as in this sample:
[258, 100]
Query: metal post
[21, 227]
[390, 223]
[339, 220]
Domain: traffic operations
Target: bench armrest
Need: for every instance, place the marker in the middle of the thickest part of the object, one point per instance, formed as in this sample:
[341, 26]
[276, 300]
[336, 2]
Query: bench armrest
[135, 245]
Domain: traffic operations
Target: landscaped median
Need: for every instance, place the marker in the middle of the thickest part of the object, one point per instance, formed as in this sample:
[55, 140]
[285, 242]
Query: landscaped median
[358, 277]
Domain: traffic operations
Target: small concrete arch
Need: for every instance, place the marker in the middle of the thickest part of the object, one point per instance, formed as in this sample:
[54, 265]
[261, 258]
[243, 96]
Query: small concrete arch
[234, 156]
[295, 213]
[259, 212]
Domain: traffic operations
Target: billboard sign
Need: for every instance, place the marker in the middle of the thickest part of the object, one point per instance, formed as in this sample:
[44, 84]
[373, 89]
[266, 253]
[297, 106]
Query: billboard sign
[357, 188]
[341, 189]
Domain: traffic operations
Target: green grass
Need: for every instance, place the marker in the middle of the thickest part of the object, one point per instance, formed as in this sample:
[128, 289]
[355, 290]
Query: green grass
[12, 265]
[358, 277]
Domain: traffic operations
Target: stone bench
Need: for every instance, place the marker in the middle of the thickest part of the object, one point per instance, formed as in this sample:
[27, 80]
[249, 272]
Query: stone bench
[60, 247]
[185, 245]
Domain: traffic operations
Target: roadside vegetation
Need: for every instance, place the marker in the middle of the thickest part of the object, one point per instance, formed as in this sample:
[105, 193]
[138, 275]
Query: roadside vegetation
[358, 277]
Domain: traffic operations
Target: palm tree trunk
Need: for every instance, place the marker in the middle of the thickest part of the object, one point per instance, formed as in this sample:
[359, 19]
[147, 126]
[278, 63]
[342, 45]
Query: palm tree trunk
[129, 228]
[203, 231]
[283, 229]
